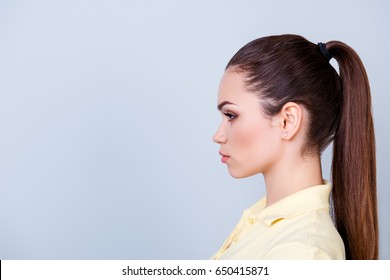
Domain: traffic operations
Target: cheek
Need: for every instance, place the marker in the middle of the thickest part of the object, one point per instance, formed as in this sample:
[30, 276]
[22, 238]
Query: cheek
[248, 135]
[254, 147]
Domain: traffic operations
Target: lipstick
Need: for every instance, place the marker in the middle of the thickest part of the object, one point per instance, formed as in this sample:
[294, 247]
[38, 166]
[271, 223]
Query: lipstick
[224, 158]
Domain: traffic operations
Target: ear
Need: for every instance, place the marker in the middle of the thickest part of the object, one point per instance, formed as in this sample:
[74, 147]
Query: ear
[291, 119]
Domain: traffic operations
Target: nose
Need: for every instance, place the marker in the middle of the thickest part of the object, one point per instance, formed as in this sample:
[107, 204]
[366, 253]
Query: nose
[219, 136]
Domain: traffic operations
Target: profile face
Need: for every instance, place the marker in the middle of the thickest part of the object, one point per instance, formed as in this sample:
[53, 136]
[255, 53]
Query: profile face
[249, 141]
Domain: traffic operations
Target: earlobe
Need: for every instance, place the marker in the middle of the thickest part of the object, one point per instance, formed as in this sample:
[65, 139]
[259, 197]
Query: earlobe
[291, 115]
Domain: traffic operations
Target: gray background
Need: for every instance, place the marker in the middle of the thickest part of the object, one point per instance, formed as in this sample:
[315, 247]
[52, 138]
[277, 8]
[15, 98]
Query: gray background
[107, 109]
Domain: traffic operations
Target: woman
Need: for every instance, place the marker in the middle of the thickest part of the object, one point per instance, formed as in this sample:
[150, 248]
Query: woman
[282, 104]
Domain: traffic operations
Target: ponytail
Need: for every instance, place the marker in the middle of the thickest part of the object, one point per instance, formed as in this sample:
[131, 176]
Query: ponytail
[353, 166]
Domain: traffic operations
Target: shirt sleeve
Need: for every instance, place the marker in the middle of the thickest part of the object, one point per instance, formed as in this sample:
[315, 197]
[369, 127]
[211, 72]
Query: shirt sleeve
[298, 251]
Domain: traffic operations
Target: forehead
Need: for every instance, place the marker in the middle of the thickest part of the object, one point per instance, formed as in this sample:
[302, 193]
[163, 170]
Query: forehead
[231, 85]
[233, 89]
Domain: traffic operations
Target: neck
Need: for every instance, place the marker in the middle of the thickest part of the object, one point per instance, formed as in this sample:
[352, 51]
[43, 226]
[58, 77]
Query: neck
[291, 175]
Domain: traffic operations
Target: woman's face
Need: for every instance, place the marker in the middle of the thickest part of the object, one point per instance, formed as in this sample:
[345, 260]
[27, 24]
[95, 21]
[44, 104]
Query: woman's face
[250, 144]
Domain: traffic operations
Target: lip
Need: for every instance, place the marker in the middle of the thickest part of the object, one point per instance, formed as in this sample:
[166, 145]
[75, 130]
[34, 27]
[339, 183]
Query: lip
[224, 158]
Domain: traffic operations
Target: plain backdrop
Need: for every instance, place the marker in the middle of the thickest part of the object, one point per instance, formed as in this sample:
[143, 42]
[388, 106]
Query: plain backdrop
[107, 110]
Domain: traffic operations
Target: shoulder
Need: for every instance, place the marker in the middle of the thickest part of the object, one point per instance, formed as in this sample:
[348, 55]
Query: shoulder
[297, 250]
[310, 236]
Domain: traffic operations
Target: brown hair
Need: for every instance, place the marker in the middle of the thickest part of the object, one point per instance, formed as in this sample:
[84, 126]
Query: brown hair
[285, 68]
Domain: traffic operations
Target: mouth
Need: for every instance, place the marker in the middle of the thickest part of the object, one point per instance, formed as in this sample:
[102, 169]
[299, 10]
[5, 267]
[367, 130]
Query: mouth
[224, 158]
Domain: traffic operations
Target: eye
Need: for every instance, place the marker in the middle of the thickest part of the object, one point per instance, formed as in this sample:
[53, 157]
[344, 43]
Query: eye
[230, 116]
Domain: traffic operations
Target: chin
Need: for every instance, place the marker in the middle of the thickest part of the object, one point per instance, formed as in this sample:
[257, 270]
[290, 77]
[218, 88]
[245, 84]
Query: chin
[239, 174]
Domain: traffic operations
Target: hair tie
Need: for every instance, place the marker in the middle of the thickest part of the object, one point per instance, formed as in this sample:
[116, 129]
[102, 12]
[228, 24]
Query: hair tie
[325, 51]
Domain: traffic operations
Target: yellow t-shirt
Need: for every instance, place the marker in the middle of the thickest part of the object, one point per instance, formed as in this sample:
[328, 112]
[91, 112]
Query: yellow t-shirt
[298, 226]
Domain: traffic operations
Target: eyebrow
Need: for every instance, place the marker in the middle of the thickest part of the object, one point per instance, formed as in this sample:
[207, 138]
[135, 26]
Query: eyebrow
[223, 104]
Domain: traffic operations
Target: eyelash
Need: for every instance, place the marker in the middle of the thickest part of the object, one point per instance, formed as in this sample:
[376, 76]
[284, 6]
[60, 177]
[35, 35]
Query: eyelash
[230, 116]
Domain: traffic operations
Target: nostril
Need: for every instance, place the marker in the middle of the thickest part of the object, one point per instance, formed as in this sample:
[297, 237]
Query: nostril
[219, 139]
[219, 136]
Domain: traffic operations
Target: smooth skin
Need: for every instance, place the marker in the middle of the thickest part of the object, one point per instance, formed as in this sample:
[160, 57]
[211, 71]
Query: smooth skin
[253, 143]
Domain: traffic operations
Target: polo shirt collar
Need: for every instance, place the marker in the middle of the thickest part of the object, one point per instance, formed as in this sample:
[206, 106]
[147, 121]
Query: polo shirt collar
[303, 201]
